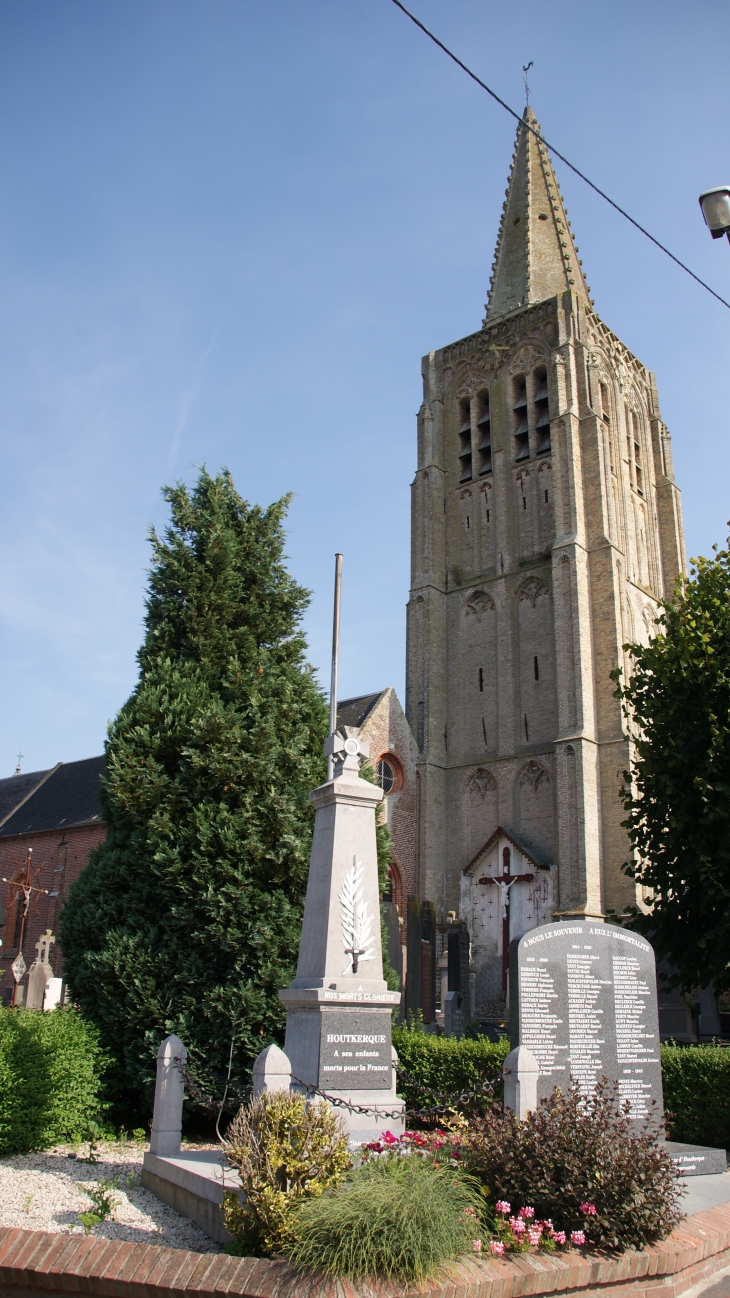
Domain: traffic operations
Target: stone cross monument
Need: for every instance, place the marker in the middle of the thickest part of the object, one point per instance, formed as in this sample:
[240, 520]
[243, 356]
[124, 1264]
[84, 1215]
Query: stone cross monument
[40, 972]
[338, 1026]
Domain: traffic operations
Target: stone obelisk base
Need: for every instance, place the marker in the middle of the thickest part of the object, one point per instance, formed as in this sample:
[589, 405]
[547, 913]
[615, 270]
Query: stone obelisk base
[342, 1045]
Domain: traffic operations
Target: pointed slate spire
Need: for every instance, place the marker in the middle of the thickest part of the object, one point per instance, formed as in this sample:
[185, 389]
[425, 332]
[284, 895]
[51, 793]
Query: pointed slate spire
[535, 257]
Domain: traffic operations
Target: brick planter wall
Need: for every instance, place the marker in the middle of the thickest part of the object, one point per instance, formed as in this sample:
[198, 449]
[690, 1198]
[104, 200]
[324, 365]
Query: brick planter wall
[35, 1264]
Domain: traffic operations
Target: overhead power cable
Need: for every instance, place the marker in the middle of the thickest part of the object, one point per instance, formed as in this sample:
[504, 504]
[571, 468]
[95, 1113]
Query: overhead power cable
[553, 150]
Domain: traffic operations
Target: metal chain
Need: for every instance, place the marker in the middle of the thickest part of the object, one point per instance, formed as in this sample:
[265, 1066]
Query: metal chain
[453, 1101]
[450, 1101]
[239, 1096]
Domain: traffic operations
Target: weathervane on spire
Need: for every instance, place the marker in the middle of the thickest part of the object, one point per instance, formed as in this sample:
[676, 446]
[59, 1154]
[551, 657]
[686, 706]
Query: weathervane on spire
[526, 69]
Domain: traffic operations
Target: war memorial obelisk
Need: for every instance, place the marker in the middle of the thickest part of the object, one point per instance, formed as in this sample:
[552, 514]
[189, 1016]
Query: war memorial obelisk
[338, 1023]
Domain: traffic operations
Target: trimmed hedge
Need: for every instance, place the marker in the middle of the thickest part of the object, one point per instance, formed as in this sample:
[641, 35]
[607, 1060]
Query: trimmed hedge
[696, 1079]
[697, 1093]
[445, 1064]
[51, 1076]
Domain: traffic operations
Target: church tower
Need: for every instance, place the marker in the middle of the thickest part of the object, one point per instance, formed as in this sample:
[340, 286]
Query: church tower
[546, 526]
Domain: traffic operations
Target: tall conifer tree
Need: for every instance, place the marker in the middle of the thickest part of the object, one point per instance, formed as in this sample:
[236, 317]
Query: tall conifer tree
[187, 917]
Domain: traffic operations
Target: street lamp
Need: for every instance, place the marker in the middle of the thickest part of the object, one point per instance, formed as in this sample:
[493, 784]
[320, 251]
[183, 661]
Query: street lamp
[715, 204]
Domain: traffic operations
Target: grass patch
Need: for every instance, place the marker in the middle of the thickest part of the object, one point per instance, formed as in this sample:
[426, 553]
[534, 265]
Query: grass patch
[398, 1218]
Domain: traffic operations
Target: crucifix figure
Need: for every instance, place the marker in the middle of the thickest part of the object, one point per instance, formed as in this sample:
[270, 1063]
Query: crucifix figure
[23, 898]
[505, 881]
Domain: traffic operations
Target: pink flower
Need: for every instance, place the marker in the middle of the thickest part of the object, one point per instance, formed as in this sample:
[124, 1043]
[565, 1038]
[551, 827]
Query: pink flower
[534, 1237]
[518, 1226]
[526, 1212]
[497, 1247]
[577, 1237]
[476, 1245]
[559, 1236]
[503, 1207]
[589, 1209]
[388, 1138]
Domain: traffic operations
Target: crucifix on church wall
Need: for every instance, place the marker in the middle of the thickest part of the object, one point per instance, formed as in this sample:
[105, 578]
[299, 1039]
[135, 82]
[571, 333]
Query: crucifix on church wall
[23, 896]
[505, 881]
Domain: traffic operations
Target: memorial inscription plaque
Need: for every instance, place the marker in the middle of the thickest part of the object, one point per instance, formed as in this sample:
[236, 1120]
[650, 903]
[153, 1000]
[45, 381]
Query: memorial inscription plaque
[355, 1051]
[583, 1000]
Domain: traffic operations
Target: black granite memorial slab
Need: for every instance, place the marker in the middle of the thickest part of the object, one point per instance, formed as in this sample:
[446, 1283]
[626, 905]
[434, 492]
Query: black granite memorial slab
[355, 1051]
[697, 1160]
[583, 1000]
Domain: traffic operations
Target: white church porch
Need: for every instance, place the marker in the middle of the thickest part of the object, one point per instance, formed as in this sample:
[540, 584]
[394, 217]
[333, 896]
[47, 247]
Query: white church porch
[506, 889]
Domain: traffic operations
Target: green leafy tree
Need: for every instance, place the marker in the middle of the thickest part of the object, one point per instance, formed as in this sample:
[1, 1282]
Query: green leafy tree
[187, 917]
[677, 795]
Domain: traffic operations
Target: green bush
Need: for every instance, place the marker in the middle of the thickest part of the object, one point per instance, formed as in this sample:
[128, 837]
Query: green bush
[577, 1161]
[446, 1065]
[285, 1150]
[696, 1081]
[51, 1074]
[397, 1218]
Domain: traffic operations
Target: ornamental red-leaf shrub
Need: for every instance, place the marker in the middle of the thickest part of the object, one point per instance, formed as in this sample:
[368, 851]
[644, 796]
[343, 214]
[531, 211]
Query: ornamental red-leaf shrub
[574, 1150]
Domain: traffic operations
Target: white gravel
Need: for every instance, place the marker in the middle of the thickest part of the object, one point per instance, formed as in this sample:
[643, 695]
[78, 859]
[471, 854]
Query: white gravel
[43, 1192]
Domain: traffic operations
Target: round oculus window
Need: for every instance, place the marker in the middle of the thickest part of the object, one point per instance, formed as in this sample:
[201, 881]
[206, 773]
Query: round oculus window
[386, 775]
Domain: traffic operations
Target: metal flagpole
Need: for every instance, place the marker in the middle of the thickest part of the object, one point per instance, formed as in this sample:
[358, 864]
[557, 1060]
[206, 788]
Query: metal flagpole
[335, 659]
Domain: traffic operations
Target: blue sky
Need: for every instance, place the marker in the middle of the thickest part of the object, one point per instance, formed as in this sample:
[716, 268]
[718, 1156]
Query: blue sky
[228, 233]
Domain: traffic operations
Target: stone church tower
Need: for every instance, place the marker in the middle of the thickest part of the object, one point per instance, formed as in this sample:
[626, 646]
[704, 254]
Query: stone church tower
[546, 525]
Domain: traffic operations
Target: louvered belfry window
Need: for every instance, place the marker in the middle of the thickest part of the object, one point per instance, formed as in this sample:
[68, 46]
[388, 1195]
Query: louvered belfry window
[484, 429]
[519, 408]
[465, 469]
[542, 410]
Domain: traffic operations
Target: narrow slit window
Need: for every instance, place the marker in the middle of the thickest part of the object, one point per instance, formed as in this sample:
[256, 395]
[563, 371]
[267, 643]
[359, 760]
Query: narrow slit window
[484, 432]
[547, 497]
[542, 411]
[605, 415]
[537, 668]
[519, 410]
[465, 471]
[481, 680]
[524, 502]
[638, 468]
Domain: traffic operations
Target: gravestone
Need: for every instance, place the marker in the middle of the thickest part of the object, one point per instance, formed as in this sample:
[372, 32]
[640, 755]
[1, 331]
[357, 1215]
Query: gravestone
[583, 1000]
[428, 961]
[40, 973]
[457, 1007]
[413, 959]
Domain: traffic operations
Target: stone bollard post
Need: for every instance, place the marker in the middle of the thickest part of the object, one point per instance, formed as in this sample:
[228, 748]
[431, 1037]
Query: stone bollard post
[520, 1072]
[271, 1072]
[169, 1096]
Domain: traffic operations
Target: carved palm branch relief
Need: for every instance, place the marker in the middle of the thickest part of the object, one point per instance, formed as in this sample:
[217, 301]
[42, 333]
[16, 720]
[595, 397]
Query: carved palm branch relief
[357, 924]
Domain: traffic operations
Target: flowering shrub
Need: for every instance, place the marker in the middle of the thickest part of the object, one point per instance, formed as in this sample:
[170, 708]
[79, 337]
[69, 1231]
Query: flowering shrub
[438, 1146]
[589, 1174]
[518, 1234]
[445, 1148]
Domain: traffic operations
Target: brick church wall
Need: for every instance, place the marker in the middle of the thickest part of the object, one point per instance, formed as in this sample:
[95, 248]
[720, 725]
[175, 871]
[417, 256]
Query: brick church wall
[58, 859]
